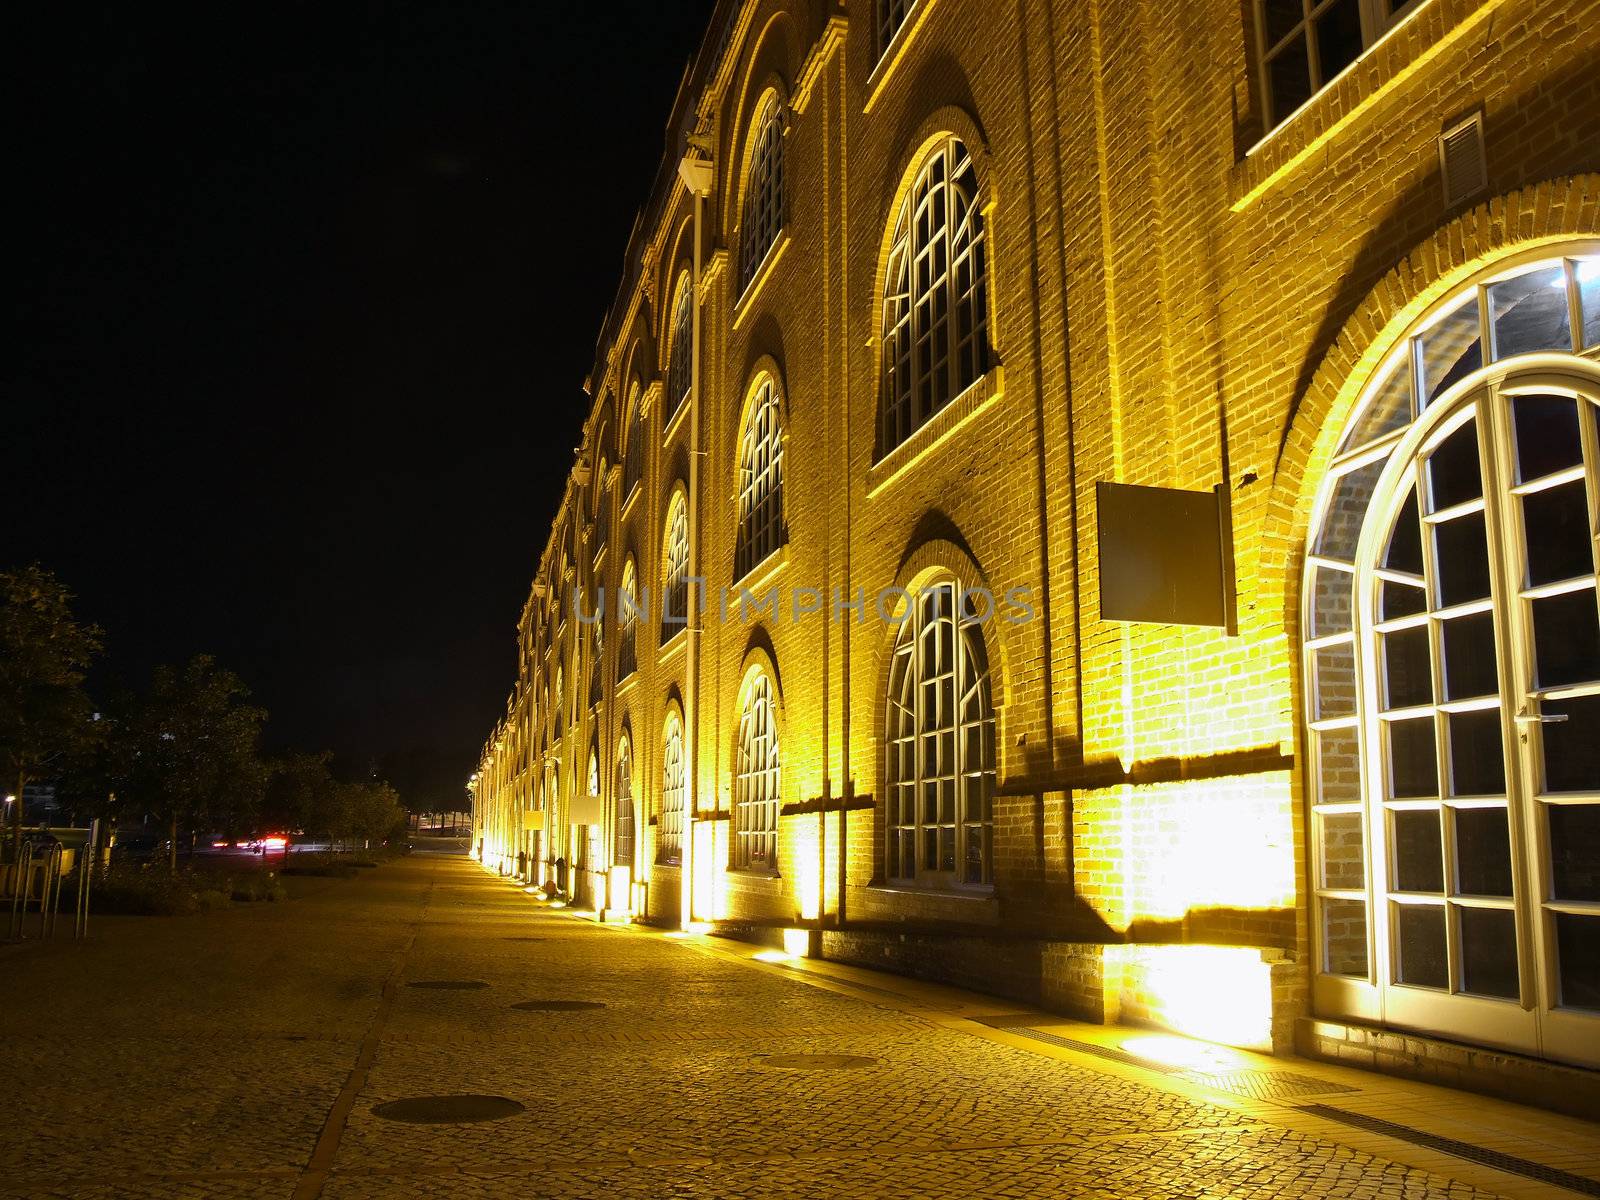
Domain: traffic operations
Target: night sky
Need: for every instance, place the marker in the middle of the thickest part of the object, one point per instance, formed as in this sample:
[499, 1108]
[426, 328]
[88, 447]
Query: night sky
[305, 295]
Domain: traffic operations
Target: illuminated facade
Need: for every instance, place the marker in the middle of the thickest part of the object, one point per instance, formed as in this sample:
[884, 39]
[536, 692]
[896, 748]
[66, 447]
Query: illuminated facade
[911, 282]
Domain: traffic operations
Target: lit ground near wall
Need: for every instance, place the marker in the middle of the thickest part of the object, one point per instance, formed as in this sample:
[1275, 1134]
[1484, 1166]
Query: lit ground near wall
[243, 1054]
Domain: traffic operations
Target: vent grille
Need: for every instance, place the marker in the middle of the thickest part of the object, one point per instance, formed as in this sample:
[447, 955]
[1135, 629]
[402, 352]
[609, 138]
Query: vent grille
[1462, 162]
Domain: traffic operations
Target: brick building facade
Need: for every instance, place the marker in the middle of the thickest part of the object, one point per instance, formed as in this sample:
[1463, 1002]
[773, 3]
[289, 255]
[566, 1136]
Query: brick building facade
[917, 276]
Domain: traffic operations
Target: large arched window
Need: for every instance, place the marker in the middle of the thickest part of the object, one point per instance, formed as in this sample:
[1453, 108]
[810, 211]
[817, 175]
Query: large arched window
[561, 693]
[680, 367]
[623, 826]
[675, 568]
[940, 740]
[597, 650]
[602, 510]
[760, 480]
[761, 220]
[935, 295]
[673, 791]
[633, 452]
[756, 777]
[629, 607]
[1451, 633]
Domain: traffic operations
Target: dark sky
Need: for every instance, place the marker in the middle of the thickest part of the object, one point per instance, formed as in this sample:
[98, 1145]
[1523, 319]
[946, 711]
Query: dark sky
[305, 296]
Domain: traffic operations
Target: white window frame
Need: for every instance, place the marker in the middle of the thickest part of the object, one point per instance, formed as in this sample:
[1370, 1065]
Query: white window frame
[761, 214]
[633, 453]
[760, 530]
[939, 736]
[935, 318]
[675, 568]
[674, 792]
[757, 777]
[624, 816]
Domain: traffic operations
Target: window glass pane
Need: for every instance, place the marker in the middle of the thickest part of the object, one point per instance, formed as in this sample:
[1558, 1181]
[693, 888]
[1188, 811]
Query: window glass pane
[1347, 509]
[1332, 600]
[1343, 859]
[1400, 600]
[1578, 956]
[1555, 524]
[1336, 680]
[1461, 560]
[1421, 943]
[1489, 952]
[1413, 771]
[1547, 435]
[1469, 656]
[1279, 18]
[1338, 37]
[1530, 313]
[1572, 748]
[1575, 850]
[1451, 350]
[1289, 76]
[1477, 767]
[1344, 937]
[1418, 854]
[1407, 668]
[1589, 290]
[1483, 852]
[1388, 410]
[1566, 638]
[1339, 766]
[1454, 476]
[1404, 552]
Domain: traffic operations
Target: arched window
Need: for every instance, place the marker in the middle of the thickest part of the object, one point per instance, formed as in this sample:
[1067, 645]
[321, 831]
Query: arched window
[680, 369]
[597, 650]
[602, 510]
[673, 791]
[628, 609]
[633, 453]
[1451, 632]
[891, 15]
[561, 691]
[675, 568]
[623, 839]
[756, 777]
[940, 739]
[935, 302]
[760, 481]
[762, 216]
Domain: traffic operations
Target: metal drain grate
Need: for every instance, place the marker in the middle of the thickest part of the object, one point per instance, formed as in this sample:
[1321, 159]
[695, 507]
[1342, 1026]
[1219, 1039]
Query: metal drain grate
[449, 985]
[1527, 1168]
[557, 1005]
[1265, 1085]
[447, 1110]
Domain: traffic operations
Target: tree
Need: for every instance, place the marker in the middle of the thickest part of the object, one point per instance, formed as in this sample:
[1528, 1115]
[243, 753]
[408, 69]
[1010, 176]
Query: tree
[301, 794]
[191, 746]
[375, 811]
[46, 718]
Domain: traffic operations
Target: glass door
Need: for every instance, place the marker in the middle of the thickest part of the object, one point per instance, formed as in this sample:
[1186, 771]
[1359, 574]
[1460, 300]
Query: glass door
[1452, 944]
[1551, 470]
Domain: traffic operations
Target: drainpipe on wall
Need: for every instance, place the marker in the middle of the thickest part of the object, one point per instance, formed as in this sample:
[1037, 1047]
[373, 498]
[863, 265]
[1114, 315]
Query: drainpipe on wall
[698, 175]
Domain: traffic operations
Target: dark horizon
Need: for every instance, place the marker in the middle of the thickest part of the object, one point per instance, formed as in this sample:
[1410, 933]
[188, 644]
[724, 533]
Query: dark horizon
[291, 391]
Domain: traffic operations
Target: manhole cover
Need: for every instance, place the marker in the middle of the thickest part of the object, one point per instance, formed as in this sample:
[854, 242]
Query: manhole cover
[557, 1005]
[817, 1062]
[447, 1110]
[449, 985]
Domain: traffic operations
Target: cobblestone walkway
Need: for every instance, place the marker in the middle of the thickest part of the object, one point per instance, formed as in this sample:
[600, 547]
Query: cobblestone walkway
[241, 1055]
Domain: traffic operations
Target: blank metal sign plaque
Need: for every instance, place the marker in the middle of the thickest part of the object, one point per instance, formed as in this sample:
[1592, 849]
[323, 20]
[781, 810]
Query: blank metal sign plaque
[1165, 555]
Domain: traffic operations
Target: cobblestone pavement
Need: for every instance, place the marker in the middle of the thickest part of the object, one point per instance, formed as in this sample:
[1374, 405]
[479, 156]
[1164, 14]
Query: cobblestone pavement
[241, 1055]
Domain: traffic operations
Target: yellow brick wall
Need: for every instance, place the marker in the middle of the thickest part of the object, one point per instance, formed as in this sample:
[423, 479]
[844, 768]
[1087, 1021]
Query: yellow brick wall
[1166, 309]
